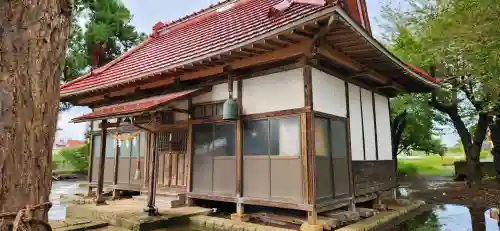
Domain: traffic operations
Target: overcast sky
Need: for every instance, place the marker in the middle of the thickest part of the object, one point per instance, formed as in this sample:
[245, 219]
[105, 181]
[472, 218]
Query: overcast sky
[147, 12]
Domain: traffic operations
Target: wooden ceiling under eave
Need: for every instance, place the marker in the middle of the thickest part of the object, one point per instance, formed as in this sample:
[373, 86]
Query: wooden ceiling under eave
[345, 51]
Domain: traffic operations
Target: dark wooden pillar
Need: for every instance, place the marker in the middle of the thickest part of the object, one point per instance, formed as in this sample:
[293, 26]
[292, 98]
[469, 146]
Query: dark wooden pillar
[102, 158]
[91, 157]
[117, 156]
[352, 202]
[150, 207]
[308, 150]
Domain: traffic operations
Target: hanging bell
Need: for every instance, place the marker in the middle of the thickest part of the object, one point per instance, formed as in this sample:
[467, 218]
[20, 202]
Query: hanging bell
[230, 110]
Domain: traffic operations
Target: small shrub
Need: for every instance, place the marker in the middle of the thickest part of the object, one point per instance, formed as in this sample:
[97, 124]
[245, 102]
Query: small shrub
[406, 169]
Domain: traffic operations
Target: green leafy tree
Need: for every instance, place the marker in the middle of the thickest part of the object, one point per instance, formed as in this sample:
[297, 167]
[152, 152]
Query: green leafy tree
[77, 157]
[106, 31]
[458, 41]
[415, 121]
[99, 27]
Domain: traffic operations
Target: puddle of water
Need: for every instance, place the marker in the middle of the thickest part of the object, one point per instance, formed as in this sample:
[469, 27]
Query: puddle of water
[58, 210]
[447, 217]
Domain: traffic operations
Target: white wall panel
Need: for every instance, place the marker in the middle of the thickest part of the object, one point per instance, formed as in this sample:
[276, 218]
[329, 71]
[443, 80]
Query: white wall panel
[355, 124]
[273, 92]
[181, 104]
[328, 94]
[383, 127]
[368, 125]
[219, 92]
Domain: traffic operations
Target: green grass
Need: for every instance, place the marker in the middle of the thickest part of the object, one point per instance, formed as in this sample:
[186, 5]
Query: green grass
[429, 166]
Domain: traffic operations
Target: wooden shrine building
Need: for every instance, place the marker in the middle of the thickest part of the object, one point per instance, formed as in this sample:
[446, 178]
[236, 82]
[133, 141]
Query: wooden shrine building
[311, 89]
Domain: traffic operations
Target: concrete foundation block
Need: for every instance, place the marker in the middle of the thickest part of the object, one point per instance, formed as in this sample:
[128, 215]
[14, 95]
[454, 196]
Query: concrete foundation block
[307, 227]
[380, 207]
[240, 217]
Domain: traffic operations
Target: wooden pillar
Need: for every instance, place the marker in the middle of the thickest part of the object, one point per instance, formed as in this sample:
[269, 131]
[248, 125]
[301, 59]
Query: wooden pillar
[91, 157]
[117, 156]
[150, 207]
[308, 149]
[102, 158]
[147, 159]
[352, 202]
[189, 168]
[240, 210]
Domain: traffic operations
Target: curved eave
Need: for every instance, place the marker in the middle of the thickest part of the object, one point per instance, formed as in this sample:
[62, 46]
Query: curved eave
[353, 24]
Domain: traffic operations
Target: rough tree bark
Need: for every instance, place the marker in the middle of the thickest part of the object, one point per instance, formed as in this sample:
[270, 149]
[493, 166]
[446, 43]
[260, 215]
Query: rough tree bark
[33, 37]
[495, 152]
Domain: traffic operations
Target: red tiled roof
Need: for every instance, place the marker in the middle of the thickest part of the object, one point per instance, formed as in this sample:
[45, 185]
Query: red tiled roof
[203, 33]
[73, 143]
[133, 107]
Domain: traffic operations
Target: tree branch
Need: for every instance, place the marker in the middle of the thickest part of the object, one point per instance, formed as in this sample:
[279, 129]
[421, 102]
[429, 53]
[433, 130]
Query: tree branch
[468, 89]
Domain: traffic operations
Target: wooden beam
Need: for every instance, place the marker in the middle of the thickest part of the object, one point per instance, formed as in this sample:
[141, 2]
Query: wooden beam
[286, 39]
[123, 91]
[180, 110]
[91, 99]
[202, 73]
[338, 57]
[293, 50]
[158, 83]
[330, 52]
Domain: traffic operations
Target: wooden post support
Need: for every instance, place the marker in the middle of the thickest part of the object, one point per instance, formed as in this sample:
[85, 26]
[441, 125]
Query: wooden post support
[309, 155]
[150, 207]
[240, 211]
[117, 158]
[91, 157]
[352, 202]
[102, 158]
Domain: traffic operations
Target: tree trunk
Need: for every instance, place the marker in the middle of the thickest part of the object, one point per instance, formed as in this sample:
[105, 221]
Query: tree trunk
[397, 129]
[495, 152]
[477, 218]
[33, 37]
[473, 154]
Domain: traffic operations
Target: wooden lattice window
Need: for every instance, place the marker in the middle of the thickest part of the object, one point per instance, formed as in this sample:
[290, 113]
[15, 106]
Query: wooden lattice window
[208, 110]
[175, 140]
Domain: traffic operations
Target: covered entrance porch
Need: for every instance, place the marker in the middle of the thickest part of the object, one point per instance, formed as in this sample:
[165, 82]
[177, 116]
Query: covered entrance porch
[144, 145]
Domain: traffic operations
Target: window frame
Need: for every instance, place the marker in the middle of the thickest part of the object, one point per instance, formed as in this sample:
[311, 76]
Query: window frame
[269, 146]
[202, 109]
[213, 126]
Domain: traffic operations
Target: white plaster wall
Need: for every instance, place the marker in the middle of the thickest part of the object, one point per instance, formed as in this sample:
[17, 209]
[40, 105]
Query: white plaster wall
[219, 92]
[368, 125]
[383, 127]
[273, 92]
[355, 124]
[97, 123]
[182, 104]
[328, 94]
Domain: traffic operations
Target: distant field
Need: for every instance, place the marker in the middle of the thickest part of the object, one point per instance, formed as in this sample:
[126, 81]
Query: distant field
[433, 165]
